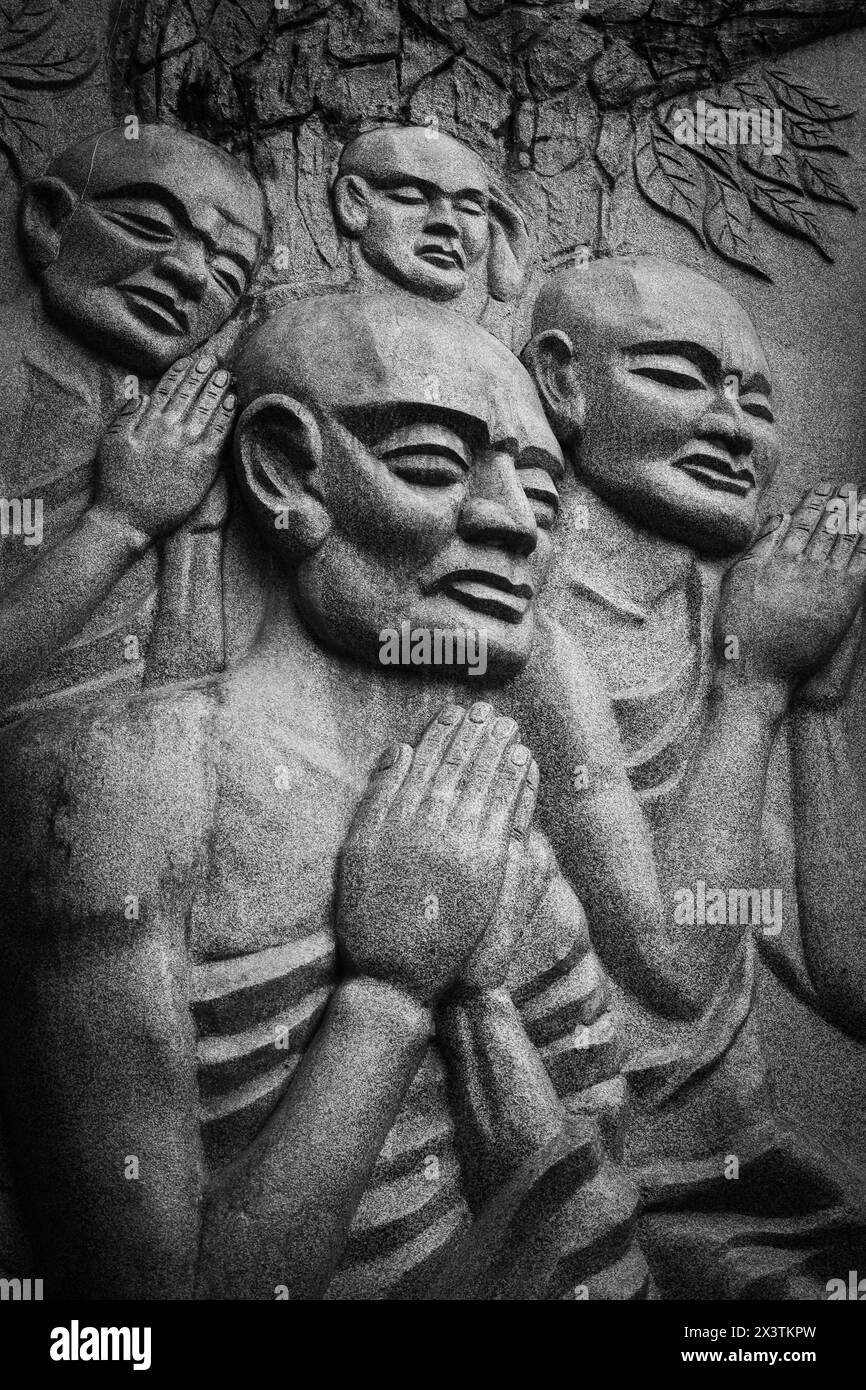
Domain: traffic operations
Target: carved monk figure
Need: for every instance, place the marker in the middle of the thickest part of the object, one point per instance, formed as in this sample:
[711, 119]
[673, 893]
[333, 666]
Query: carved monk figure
[657, 385]
[421, 214]
[140, 250]
[295, 1001]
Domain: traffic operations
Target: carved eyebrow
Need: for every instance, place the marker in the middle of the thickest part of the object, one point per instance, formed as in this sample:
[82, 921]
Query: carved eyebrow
[387, 181]
[175, 207]
[700, 357]
[535, 457]
[758, 383]
[371, 421]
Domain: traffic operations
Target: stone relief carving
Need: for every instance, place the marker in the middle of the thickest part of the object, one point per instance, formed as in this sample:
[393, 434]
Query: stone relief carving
[432, 977]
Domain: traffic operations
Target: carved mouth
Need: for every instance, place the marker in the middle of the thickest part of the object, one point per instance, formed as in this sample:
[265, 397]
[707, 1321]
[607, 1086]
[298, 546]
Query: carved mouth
[718, 471]
[489, 592]
[443, 257]
[157, 308]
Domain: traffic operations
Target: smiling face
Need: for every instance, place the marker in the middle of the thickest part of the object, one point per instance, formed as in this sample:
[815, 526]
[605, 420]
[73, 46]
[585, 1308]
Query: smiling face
[434, 467]
[417, 206]
[678, 428]
[151, 261]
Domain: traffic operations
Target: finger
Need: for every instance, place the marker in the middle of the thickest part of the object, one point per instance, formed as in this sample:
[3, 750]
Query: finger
[806, 516]
[207, 403]
[501, 735]
[456, 765]
[385, 782]
[505, 792]
[220, 422]
[431, 748]
[189, 388]
[857, 561]
[170, 379]
[526, 804]
[843, 523]
[488, 964]
[769, 538]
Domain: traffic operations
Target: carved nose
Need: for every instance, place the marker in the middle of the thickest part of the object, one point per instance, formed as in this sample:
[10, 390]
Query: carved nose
[187, 272]
[441, 218]
[496, 511]
[727, 425]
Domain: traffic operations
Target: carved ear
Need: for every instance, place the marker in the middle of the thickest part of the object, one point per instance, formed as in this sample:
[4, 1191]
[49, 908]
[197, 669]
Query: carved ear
[278, 449]
[508, 256]
[351, 207]
[549, 358]
[46, 206]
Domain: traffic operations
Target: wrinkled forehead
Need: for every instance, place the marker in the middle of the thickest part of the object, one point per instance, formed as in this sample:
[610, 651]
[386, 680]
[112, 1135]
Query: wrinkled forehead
[411, 154]
[199, 177]
[413, 368]
[677, 307]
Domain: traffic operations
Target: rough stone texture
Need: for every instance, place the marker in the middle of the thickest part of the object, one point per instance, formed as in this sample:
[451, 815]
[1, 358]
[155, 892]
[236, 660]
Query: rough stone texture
[150, 859]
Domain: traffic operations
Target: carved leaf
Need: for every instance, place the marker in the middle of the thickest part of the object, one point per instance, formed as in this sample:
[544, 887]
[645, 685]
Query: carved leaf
[25, 22]
[778, 168]
[24, 131]
[811, 135]
[821, 180]
[728, 222]
[788, 210]
[798, 96]
[670, 177]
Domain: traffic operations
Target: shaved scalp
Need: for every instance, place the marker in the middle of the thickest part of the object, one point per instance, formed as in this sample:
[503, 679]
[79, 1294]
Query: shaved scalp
[105, 161]
[366, 153]
[626, 289]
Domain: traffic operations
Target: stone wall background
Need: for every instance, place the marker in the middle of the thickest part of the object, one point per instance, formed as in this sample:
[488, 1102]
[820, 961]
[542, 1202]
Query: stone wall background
[551, 95]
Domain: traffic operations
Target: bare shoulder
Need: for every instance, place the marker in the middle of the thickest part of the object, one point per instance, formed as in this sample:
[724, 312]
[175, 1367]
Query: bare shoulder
[105, 801]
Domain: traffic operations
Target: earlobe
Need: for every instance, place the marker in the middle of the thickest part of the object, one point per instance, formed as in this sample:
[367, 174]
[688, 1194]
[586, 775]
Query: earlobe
[46, 206]
[508, 256]
[278, 449]
[549, 358]
[351, 208]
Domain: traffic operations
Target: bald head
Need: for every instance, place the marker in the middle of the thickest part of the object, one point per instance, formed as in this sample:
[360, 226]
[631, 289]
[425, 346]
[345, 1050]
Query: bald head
[420, 210]
[142, 246]
[655, 378]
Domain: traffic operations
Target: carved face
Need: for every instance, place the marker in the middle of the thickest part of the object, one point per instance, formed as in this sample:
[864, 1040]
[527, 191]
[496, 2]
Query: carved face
[157, 252]
[430, 478]
[418, 208]
[677, 421]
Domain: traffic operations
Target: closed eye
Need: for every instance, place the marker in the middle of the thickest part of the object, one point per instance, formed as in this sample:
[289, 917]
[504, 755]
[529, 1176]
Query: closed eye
[758, 407]
[542, 494]
[426, 466]
[671, 376]
[227, 277]
[139, 224]
[406, 193]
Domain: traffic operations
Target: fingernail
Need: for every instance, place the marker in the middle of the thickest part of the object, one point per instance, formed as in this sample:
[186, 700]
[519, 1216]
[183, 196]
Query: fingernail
[229, 403]
[450, 715]
[388, 759]
[502, 727]
[205, 364]
[520, 755]
[220, 378]
[479, 712]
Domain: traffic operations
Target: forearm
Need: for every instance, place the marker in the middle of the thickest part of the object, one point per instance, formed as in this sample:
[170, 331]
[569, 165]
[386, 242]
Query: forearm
[831, 865]
[51, 602]
[281, 1214]
[506, 1102]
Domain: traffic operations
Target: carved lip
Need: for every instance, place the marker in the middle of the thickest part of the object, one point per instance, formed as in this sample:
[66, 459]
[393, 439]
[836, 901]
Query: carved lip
[443, 257]
[717, 470]
[159, 306]
[489, 592]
